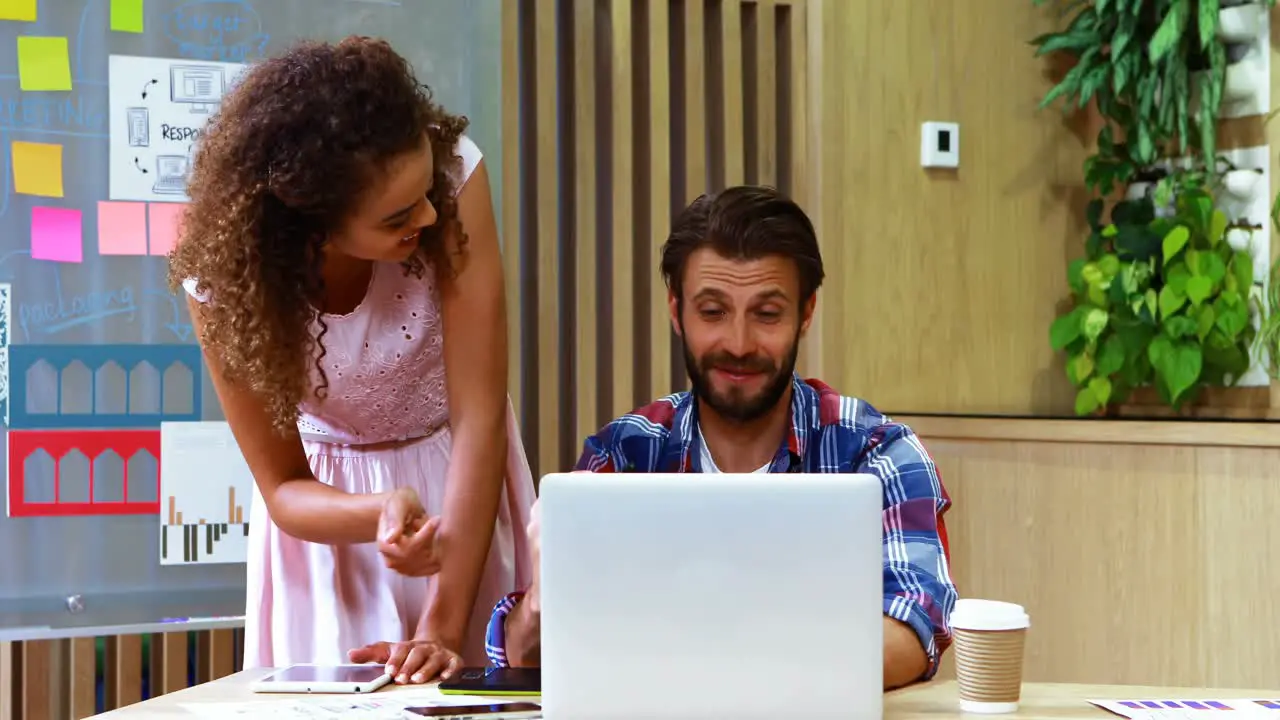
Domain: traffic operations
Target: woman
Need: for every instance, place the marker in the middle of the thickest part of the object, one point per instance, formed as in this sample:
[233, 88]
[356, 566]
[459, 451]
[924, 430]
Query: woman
[342, 259]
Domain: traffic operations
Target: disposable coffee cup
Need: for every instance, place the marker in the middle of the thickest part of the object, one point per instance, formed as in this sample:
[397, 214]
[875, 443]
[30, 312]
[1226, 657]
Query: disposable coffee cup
[989, 640]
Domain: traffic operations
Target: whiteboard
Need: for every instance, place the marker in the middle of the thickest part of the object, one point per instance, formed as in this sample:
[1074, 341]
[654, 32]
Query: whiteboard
[99, 352]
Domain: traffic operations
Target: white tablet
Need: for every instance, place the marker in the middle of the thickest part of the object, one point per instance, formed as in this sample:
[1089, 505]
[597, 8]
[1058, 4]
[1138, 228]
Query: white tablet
[346, 679]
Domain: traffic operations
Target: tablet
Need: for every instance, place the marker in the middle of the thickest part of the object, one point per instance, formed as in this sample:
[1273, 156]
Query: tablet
[348, 679]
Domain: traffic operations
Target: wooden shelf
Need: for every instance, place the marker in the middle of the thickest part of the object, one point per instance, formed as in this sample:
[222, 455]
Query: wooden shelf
[1198, 433]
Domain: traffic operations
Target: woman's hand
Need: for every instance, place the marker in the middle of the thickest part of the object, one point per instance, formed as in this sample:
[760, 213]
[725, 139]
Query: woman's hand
[407, 538]
[412, 662]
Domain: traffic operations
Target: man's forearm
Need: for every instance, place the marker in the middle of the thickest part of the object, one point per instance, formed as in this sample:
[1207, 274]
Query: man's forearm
[523, 636]
[904, 660]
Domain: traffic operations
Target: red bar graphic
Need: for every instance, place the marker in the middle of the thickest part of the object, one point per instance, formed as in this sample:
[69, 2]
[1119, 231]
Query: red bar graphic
[92, 443]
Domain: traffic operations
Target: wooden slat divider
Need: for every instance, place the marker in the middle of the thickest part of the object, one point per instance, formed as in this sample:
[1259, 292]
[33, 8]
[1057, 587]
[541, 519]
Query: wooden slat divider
[218, 653]
[659, 174]
[587, 415]
[123, 671]
[732, 93]
[623, 397]
[546, 246]
[169, 662]
[82, 677]
[765, 143]
[37, 679]
[511, 203]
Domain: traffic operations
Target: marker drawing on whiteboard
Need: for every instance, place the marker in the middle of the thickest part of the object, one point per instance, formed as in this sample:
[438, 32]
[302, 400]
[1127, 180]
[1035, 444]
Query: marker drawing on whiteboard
[219, 30]
[64, 313]
[181, 329]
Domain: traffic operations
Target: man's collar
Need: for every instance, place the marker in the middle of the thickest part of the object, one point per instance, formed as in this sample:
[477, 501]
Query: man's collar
[680, 452]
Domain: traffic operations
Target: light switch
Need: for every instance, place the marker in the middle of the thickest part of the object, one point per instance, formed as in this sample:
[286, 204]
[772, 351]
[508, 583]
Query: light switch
[940, 145]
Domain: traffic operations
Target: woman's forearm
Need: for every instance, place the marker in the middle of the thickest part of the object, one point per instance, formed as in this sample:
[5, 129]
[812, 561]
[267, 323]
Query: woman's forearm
[477, 470]
[310, 510]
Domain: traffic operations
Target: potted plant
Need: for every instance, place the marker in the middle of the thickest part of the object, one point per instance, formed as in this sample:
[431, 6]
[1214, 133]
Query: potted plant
[1161, 301]
[1161, 298]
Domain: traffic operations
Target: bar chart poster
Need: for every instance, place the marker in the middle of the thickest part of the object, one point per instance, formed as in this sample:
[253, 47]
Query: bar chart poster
[205, 491]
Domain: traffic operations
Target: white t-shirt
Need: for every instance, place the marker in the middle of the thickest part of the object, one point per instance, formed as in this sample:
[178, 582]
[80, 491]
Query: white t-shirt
[709, 465]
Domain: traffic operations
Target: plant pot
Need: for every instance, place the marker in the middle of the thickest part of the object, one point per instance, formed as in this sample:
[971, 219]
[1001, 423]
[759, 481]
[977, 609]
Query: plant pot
[1242, 23]
[1242, 81]
[1240, 239]
[1242, 184]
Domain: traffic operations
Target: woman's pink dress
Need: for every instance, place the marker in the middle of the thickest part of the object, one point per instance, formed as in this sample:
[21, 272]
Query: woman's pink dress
[311, 603]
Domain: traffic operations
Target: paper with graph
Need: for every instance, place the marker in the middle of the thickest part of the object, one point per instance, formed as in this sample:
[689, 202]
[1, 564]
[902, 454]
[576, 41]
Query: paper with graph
[205, 494]
[158, 110]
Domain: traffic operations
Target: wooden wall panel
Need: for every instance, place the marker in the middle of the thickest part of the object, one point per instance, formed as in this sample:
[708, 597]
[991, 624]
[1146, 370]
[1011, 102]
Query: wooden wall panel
[626, 110]
[1137, 557]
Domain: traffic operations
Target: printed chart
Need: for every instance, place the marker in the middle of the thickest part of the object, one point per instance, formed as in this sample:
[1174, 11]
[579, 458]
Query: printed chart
[1182, 709]
[205, 489]
[158, 109]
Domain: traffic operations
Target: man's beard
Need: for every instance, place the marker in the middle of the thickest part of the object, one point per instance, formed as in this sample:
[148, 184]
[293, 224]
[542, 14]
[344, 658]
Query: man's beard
[735, 405]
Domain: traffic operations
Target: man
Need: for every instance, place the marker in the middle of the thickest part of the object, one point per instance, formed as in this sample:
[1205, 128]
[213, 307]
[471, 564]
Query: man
[742, 270]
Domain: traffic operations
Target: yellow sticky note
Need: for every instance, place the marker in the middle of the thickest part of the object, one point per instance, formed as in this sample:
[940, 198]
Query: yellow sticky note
[43, 63]
[126, 15]
[24, 10]
[37, 169]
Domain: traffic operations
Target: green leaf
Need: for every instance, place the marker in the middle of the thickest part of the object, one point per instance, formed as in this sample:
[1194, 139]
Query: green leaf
[1232, 317]
[1177, 326]
[1109, 264]
[1110, 355]
[1093, 211]
[1086, 401]
[1093, 323]
[1079, 368]
[1169, 33]
[1199, 288]
[1065, 329]
[1170, 301]
[1151, 302]
[1207, 21]
[1177, 364]
[1210, 265]
[1217, 228]
[1075, 278]
[1204, 323]
[1176, 277]
[1242, 268]
[1174, 242]
[1101, 388]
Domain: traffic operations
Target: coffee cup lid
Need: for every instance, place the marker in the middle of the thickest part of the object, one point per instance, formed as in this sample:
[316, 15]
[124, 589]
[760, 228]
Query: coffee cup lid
[975, 614]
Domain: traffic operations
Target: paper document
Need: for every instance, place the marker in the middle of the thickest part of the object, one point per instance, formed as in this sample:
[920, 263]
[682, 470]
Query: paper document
[374, 706]
[1179, 709]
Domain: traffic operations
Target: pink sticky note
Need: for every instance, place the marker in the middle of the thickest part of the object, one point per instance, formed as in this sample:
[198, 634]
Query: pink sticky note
[122, 228]
[164, 219]
[56, 234]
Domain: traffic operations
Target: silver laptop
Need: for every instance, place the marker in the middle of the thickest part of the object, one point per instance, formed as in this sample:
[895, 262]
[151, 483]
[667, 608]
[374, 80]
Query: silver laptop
[681, 596]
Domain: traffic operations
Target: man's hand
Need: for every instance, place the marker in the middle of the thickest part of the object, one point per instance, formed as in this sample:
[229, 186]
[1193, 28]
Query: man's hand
[407, 539]
[416, 661]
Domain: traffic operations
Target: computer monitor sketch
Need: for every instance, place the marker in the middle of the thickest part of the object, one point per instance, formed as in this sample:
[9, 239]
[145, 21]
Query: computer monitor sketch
[139, 127]
[200, 86]
[171, 175]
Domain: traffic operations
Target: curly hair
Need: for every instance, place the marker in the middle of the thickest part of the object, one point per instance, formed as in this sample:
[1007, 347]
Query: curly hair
[289, 154]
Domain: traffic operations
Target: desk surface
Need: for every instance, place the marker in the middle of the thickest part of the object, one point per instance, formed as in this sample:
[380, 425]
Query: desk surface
[931, 700]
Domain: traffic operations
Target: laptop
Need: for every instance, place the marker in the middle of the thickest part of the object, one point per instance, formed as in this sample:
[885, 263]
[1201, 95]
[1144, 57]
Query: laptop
[682, 596]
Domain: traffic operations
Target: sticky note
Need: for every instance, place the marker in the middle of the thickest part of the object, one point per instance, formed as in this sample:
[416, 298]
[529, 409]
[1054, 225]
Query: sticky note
[56, 234]
[37, 168]
[122, 228]
[24, 10]
[126, 15]
[43, 63]
[162, 221]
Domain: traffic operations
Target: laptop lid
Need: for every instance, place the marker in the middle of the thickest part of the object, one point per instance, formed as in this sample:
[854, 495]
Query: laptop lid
[666, 595]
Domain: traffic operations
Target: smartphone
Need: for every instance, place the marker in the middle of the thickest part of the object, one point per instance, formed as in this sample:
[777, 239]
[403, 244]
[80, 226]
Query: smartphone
[494, 681]
[479, 712]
